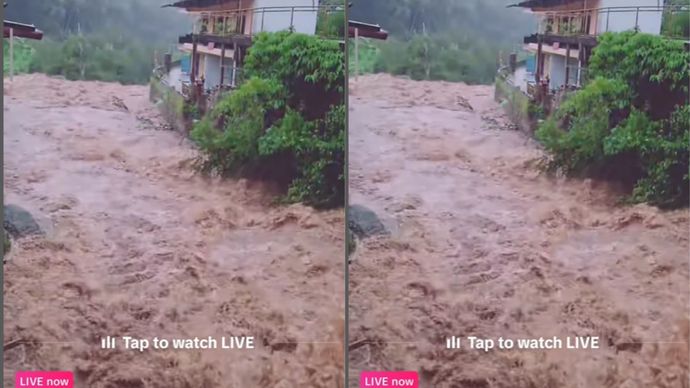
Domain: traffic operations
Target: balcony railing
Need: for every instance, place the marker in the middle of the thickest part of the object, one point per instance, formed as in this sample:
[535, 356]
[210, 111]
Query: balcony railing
[615, 19]
[252, 21]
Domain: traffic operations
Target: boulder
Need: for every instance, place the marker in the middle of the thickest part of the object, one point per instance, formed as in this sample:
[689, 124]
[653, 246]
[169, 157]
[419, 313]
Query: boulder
[20, 223]
[364, 223]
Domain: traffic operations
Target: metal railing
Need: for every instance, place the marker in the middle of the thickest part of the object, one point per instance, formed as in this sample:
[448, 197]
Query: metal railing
[597, 21]
[252, 21]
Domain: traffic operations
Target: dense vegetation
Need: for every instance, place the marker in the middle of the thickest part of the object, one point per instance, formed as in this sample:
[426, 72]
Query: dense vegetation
[95, 39]
[441, 39]
[286, 123]
[23, 56]
[631, 122]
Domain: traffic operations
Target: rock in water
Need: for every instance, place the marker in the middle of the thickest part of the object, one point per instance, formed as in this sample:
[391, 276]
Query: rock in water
[20, 223]
[364, 223]
[7, 244]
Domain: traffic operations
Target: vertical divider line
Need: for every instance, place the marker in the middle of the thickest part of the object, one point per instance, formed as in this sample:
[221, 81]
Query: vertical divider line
[346, 167]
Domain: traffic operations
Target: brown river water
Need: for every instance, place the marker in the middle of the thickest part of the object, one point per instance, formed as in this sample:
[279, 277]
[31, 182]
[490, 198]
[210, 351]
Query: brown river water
[484, 244]
[138, 244]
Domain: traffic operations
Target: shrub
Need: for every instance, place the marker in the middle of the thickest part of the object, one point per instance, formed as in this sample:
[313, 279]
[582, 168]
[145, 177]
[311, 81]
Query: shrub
[287, 123]
[658, 151]
[242, 117]
[631, 123]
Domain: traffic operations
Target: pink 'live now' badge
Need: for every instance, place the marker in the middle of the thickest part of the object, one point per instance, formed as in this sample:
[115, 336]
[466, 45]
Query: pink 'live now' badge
[381, 379]
[44, 379]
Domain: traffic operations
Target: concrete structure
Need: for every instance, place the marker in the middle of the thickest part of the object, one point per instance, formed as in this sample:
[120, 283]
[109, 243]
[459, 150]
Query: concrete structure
[223, 31]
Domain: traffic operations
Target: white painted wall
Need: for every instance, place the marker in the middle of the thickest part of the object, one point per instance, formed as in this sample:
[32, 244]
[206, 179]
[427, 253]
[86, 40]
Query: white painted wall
[211, 71]
[649, 22]
[303, 21]
[556, 71]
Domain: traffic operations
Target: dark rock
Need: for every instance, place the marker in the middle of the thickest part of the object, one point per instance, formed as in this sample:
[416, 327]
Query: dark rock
[364, 223]
[20, 223]
[7, 244]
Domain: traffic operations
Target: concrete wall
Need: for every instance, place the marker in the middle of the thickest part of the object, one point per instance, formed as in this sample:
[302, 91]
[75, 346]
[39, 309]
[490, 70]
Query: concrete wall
[515, 103]
[304, 21]
[170, 103]
[648, 21]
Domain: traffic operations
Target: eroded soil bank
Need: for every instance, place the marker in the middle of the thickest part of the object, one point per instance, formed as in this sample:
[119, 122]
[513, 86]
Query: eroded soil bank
[483, 244]
[139, 245]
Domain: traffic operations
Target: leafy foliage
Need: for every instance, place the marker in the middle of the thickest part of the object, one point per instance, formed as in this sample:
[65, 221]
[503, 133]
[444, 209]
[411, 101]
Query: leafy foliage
[244, 115]
[656, 69]
[23, 56]
[631, 123]
[295, 59]
[287, 123]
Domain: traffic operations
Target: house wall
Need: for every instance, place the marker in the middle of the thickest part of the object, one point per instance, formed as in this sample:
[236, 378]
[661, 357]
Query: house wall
[303, 21]
[211, 71]
[209, 68]
[649, 22]
[556, 71]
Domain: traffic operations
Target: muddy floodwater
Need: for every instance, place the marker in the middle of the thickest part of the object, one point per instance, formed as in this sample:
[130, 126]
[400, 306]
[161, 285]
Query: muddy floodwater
[137, 244]
[484, 244]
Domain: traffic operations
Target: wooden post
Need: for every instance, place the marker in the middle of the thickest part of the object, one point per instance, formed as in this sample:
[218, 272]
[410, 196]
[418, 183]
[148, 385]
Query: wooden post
[567, 64]
[192, 76]
[222, 64]
[11, 54]
[356, 54]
